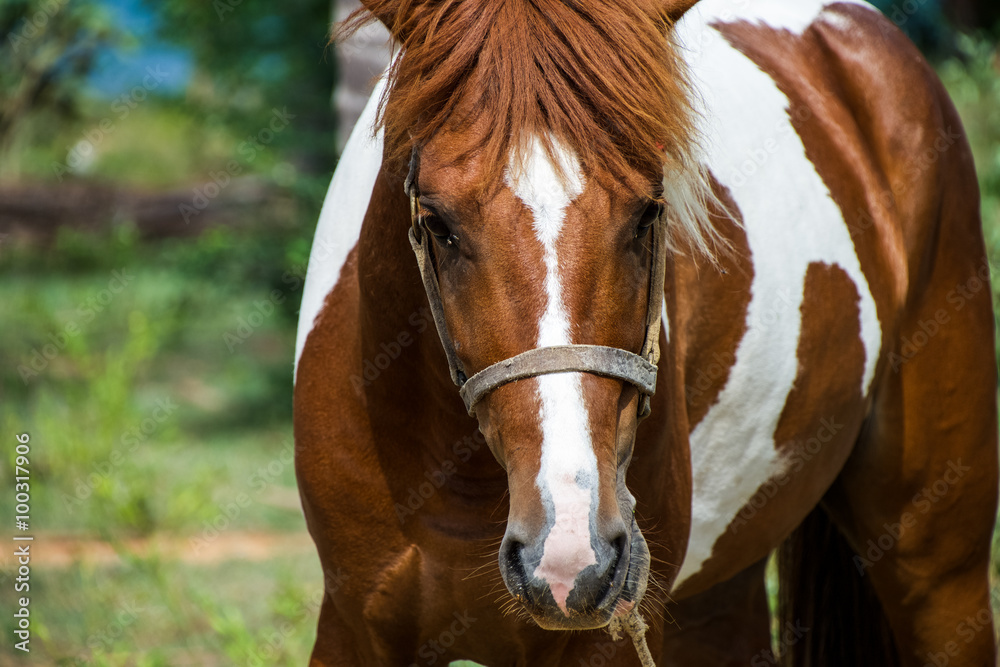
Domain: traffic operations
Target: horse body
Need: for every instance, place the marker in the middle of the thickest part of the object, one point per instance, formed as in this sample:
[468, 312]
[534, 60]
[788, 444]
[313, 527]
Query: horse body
[794, 382]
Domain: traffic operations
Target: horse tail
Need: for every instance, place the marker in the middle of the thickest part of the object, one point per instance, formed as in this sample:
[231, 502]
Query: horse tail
[827, 609]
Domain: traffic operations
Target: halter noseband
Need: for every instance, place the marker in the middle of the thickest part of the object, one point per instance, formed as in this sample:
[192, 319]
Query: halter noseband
[637, 369]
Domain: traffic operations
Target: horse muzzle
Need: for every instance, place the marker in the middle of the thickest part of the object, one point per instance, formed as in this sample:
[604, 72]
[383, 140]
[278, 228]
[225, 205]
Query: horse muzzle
[566, 587]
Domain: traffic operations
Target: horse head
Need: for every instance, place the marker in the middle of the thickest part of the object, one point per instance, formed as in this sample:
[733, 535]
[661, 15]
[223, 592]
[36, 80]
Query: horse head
[538, 219]
[551, 258]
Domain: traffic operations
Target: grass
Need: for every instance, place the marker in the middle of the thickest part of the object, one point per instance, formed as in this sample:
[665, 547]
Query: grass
[155, 382]
[150, 611]
[145, 422]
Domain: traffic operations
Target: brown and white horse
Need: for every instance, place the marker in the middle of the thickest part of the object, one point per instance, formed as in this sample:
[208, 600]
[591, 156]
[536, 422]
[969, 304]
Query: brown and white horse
[795, 174]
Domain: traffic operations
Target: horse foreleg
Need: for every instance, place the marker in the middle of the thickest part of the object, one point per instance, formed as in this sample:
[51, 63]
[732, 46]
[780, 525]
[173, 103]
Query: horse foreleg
[335, 645]
[725, 626]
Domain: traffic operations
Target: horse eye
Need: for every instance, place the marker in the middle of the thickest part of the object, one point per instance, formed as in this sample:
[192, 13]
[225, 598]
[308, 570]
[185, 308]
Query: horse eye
[650, 215]
[437, 228]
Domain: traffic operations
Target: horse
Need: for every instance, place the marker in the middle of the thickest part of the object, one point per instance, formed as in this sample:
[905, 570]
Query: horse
[609, 302]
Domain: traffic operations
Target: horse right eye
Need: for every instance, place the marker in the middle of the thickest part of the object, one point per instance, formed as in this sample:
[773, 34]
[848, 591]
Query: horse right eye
[437, 228]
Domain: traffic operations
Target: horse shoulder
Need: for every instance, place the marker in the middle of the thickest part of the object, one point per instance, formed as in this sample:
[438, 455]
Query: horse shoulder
[803, 156]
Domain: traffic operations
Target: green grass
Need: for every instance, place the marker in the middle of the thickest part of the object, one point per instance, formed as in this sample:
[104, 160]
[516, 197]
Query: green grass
[143, 423]
[148, 381]
[150, 611]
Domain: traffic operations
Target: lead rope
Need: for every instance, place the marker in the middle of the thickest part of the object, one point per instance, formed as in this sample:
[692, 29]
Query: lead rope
[633, 625]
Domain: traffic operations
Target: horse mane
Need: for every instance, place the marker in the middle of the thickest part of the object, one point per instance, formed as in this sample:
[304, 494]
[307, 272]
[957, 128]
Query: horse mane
[602, 78]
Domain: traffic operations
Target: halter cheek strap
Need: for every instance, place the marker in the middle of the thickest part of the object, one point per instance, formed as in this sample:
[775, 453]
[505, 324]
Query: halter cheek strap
[636, 369]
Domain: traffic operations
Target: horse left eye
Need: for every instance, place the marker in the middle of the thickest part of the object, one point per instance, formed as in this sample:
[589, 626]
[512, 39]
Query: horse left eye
[649, 216]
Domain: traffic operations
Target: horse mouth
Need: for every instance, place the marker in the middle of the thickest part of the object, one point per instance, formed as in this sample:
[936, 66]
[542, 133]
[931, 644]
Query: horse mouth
[638, 570]
[626, 585]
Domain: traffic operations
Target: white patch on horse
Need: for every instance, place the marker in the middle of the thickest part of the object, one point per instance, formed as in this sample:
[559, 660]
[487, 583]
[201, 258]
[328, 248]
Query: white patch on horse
[790, 221]
[340, 219]
[568, 472]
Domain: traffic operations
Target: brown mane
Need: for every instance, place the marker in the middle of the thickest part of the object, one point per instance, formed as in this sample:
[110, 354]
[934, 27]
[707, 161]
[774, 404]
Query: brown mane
[601, 77]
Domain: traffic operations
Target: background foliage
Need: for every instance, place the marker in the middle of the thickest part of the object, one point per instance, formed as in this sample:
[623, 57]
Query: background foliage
[153, 371]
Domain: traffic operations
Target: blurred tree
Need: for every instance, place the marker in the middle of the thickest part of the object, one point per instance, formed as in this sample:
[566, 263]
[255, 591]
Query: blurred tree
[975, 14]
[252, 56]
[931, 24]
[48, 51]
[923, 21]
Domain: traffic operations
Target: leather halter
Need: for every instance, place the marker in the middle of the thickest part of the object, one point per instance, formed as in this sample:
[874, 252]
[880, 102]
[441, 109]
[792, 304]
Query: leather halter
[637, 369]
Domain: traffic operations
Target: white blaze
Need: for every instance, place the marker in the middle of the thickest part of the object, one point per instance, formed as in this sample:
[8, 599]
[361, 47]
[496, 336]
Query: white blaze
[568, 472]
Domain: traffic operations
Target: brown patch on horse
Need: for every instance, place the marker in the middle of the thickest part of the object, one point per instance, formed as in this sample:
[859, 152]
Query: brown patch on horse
[720, 316]
[829, 374]
[333, 412]
[602, 78]
[660, 472]
[404, 501]
[439, 445]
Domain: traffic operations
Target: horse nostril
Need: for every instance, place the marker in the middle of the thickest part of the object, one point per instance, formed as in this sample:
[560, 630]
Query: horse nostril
[512, 568]
[513, 555]
[618, 546]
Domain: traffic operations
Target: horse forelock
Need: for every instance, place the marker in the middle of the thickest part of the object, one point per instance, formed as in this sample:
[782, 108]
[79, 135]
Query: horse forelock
[602, 79]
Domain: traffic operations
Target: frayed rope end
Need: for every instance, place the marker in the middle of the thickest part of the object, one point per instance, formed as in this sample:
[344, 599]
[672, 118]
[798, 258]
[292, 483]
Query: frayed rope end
[635, 627]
